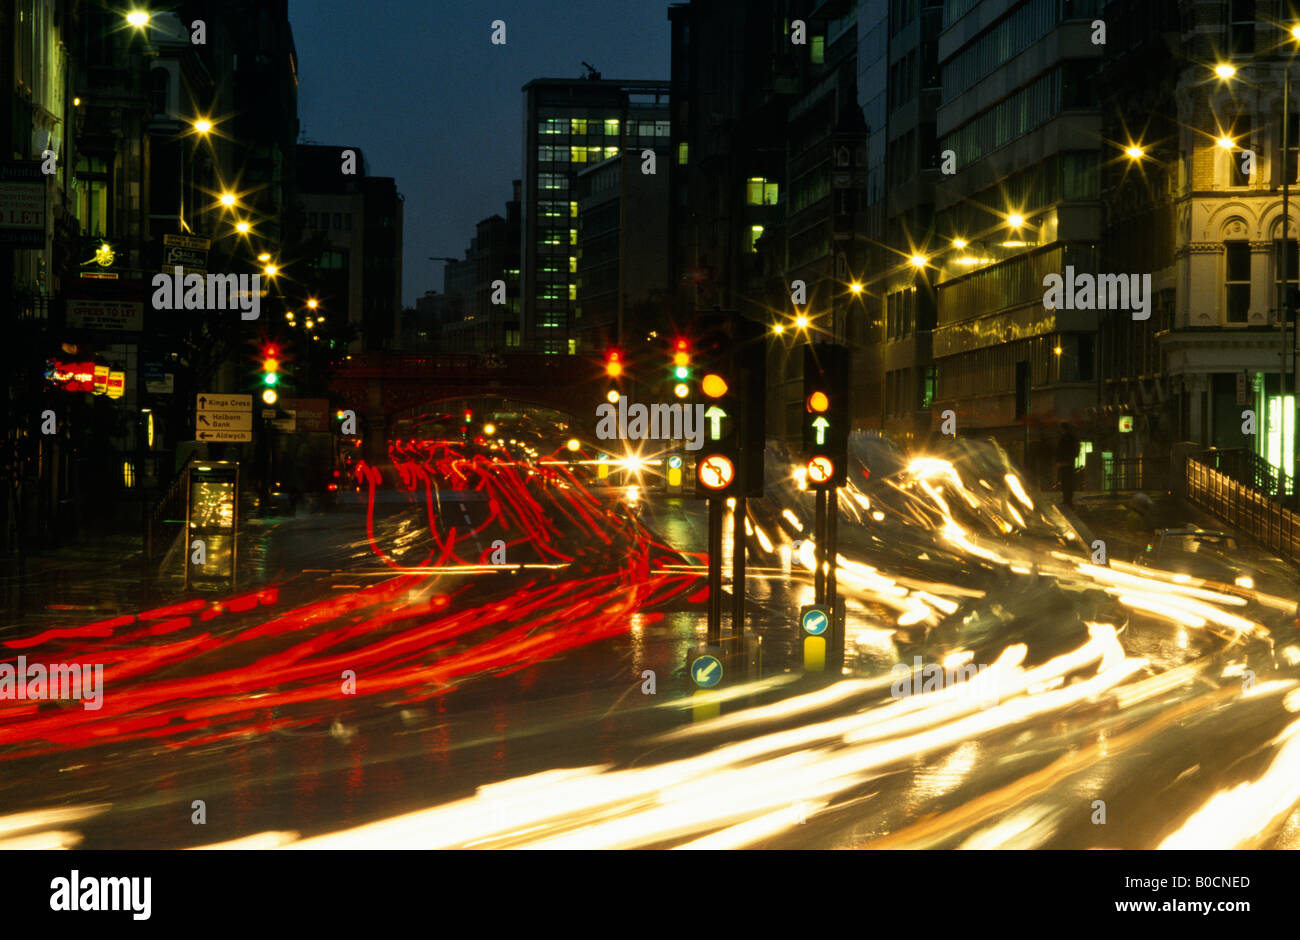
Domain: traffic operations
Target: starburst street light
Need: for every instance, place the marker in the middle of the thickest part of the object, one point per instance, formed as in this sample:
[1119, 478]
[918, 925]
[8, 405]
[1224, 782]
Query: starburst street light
[243, 228]
[1015, 220]
[228, 199]
[138, 18]
[203, 125]
[918, 261]
[801, 321]
[1227, 143]
[1225, 71]
[1135, 152]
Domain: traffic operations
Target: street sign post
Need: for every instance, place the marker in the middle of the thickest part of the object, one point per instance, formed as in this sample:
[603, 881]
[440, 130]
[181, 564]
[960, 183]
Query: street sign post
[223, 419]
[826, 450]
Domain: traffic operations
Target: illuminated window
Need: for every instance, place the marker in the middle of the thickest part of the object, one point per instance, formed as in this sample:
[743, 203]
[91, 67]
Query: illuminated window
[512, 337]
[683, 153]
[818, 50]
[573, 236]
[577, 125]
[573, 265]
[761, 192]
[91, 182]
[593, 154]
[611, 152]
[611, 127]
[573, 291]
[663, 129]
[577, 155]
[573, 210]
[755, 233]
[551, 181]
[552, 126]
[573, 347]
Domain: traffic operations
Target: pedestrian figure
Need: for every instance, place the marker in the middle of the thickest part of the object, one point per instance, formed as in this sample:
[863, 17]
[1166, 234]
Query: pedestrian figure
[1067, 452]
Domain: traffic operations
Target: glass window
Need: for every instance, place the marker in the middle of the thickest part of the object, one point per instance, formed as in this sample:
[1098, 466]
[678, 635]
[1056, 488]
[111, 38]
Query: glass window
[577, 125]
[611, 127]
[1237, 280]
[573, 210]
[1293, 149]
[663, 129]
[818, 50]
[1292, 268]
[573, 236]
[553, 126]
[573, 265]
[1241, 27]
[577, 155]
[611, 152]
[683, 153]
[755, 233]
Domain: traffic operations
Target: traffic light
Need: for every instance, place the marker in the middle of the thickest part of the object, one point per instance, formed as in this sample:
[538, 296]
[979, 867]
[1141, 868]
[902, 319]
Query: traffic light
[826, 414]
[681, 361]
[730, 361]
[613, 364]
[270, 365]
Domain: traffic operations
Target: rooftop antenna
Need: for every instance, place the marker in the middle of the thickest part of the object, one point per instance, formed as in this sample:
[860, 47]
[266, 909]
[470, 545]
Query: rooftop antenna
[592, 74]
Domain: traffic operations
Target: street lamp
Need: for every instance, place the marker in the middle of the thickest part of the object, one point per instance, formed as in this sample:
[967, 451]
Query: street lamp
[138, 18]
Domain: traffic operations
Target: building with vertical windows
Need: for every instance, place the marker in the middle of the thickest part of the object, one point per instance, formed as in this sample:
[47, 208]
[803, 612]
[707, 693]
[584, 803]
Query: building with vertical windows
[899, 93]
[351, 244]
[570, 124]
[1019, 128]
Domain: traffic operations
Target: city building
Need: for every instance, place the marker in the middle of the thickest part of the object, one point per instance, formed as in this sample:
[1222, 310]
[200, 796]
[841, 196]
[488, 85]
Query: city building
[1017, 199]
[570, 123]
[351, 245]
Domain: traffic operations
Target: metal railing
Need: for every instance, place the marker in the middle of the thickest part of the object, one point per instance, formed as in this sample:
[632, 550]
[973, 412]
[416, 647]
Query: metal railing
[168, 512]
[1249, 469]
[1119, 474]
[1245, 508]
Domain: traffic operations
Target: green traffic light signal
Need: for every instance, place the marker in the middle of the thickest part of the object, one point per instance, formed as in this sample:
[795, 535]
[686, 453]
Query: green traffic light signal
[682, 372]
[271, 378]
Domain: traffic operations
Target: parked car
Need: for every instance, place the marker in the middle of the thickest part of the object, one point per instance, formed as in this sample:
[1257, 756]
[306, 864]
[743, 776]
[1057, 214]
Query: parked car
[1198, 553]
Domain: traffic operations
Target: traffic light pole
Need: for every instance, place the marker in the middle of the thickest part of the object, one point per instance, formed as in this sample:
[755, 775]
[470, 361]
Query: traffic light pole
[819, 539]
[715, 570]
[738, 569]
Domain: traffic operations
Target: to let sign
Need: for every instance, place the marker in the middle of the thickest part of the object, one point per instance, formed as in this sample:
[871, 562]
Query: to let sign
[117, 315]
[22, 204]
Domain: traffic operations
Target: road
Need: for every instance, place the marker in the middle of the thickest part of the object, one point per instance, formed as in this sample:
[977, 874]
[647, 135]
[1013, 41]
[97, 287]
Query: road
[469, 653]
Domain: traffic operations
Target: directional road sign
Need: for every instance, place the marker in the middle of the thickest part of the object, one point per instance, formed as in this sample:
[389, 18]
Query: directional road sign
[814, 619]
[223, 437]
[706, 671]
[207, 401]
[223, 421]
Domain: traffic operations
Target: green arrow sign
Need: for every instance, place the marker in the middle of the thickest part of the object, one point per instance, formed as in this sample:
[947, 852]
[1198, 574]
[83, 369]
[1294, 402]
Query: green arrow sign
[821, 424]
[715, 415]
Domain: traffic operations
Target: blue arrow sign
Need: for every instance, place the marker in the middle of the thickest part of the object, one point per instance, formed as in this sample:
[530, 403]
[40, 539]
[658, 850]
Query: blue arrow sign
[675, 462]
[706, 671]
[814, 622]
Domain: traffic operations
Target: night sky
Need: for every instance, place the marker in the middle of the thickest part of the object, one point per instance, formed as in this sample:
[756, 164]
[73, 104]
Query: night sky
[418, 86]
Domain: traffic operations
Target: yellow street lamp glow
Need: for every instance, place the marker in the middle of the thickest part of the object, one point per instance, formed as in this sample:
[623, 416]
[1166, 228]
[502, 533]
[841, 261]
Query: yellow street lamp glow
[138, 18]
[959, 243]
[1057, 350]
[573, 444]
[271, 270]
[801, 321]
[1295, 32]
[489, 429]
[778, 328]
[242, 228]
[313, 303]
[203, 125]
[264, 256]
[714, 385]
[1135, 152]
[855, 287]
[612, 397]
[1224, 70]
[320, 319]
[1015, 220]
[1227, 143]
[227, 199]
[918, 261]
